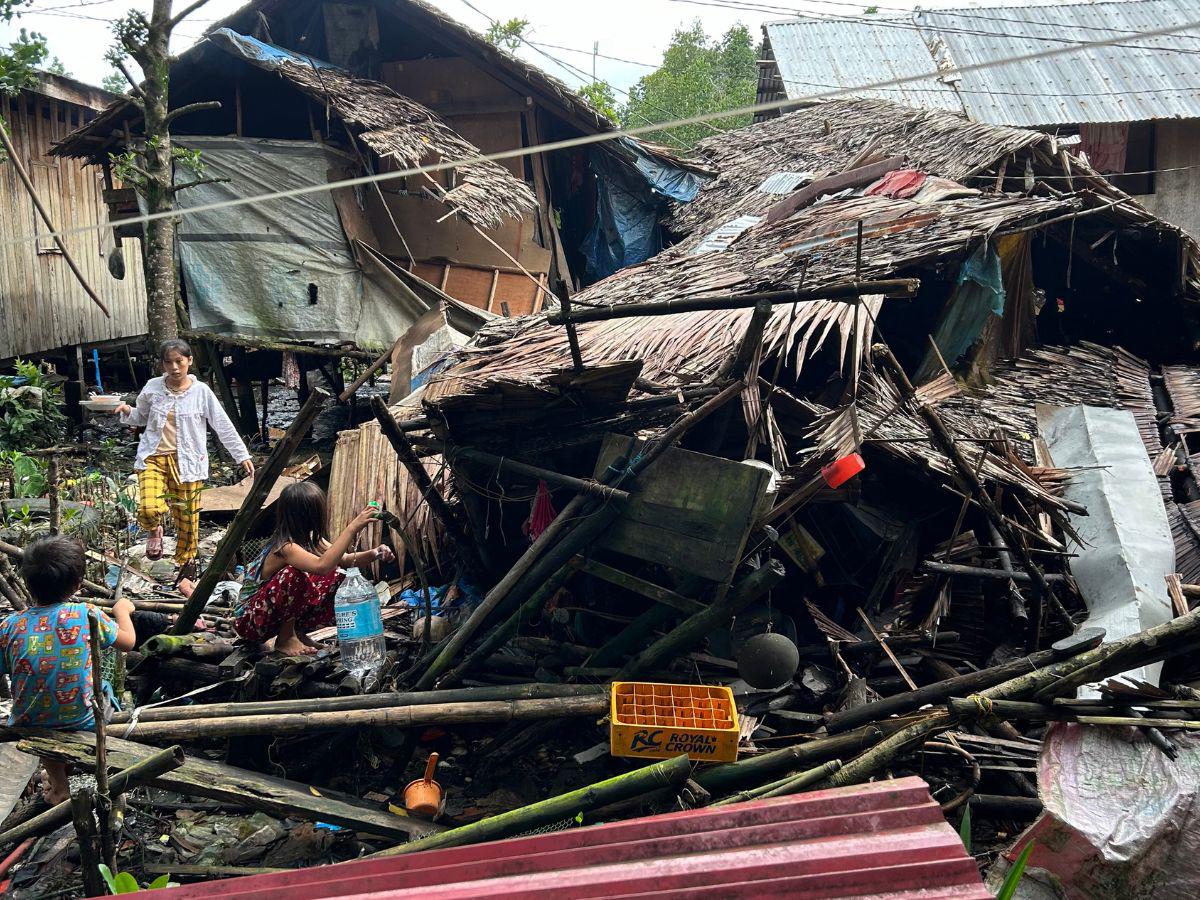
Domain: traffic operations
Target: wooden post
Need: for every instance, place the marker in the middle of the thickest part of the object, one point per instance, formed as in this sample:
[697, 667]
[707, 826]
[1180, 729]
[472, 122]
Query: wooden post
[52, 489]
[103, 798]
[455, 528]
[380, 361]
[19, 167]
[85, 829]
[210, 355]
[264, 480]
[581, 485]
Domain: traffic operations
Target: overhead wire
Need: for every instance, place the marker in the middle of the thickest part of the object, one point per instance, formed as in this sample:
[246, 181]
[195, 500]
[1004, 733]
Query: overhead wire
[570, 143]
[744, 5]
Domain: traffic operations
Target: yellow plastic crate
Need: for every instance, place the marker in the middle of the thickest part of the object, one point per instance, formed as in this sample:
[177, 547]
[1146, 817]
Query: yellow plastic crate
[661, 721]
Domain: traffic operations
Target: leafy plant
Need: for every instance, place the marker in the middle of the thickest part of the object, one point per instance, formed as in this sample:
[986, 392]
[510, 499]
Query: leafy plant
[508, 35]
[20, 59]
[964, 828]
[124, 883]
[30, 409]
[28, 473]
[1013, 878]
[601, 96]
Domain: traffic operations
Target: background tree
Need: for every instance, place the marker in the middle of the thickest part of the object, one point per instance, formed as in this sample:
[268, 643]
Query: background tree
[507, 35]
[601, 96]
[19, 61]
[698, 75]
[114, 82]
[149, 165]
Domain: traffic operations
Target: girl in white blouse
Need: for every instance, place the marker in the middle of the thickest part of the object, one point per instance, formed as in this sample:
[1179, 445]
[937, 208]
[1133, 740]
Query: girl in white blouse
[172, 457]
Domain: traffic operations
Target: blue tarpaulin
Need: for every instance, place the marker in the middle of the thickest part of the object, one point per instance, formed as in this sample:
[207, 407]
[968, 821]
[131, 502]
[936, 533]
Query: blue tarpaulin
[628, 204]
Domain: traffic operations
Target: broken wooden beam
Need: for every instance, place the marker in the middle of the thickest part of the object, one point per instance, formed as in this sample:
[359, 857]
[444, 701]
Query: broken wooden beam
[228, 784]
[670, 773]
[264, 480]
[847, 292]
[508, 464]
[941, 568]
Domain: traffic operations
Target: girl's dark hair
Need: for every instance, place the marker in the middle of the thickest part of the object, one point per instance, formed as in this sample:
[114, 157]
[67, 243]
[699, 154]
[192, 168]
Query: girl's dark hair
[183, 348]
[301, 517]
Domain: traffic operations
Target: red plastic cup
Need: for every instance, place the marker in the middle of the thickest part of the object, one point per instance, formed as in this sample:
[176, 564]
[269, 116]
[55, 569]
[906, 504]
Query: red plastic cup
[842, 470]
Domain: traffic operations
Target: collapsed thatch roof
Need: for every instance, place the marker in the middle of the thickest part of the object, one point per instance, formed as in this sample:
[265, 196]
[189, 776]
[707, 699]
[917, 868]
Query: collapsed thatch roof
[827, 138]
[815, 247]
[396, 128]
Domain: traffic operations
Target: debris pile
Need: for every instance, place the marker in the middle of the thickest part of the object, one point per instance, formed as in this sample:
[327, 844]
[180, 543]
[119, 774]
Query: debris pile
[866, 477]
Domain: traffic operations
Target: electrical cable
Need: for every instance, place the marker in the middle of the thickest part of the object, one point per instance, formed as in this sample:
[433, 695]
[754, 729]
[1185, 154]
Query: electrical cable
[570, 143]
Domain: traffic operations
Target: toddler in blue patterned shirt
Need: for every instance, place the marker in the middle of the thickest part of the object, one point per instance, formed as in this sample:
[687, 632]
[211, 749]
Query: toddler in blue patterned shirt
[45, 649]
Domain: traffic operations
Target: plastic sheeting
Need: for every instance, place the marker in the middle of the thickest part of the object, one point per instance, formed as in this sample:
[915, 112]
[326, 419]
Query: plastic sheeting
[978, 297]
[628, 204]
[1120, 820]
[1127, 548]
[276, 268]
[267, 55]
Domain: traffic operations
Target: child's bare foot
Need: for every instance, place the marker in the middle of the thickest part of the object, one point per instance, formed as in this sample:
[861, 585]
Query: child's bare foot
[309, 642]
[293, 647]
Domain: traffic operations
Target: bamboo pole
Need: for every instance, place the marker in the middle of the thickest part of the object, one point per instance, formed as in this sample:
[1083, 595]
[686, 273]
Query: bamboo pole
[363, 701]
[379, 362]
[264, 480]
[582, 485]
[139, 773]
[19, 168]
[847, 292]
[392, 717]
[940, 691]
[695, 627]
[789, 784]
[719, 779]
[668, 773]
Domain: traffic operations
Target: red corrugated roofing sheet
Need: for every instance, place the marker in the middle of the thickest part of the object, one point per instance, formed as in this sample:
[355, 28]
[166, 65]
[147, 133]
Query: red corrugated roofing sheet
[887, 839]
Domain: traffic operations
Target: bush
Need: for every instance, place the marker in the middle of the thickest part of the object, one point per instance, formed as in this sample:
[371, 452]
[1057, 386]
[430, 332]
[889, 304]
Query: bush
[31, 413]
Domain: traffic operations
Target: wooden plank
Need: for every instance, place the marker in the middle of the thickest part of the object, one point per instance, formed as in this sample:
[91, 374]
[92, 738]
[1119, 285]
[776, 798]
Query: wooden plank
[227, 784]
[832, 184]
[693, 512]
[639, 586]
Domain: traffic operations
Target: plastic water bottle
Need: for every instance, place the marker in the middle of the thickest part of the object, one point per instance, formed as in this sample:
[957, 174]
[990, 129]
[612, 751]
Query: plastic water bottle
[359, 625]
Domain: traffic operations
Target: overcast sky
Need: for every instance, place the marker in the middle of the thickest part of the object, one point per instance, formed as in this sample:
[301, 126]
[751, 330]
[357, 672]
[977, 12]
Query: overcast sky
[638, 30]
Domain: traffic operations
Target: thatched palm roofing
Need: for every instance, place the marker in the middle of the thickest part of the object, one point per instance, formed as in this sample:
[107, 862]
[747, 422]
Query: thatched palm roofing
[814, 247]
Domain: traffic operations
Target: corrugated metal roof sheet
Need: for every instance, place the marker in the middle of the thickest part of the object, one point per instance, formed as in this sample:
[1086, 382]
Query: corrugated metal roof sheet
[1148, 78]
[1151, 78]
[887, 839]
[817, 55]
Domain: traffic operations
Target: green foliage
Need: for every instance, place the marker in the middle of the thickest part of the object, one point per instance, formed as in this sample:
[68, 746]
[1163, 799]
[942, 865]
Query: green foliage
[124, 883]
[698, 75]
[30, 413]
[115, 82]
[601, 96]
[507, 35]
[20, 60]
[964, 828]
[56, 67]
[28, 473]
[131, 30]
[1013, 878]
